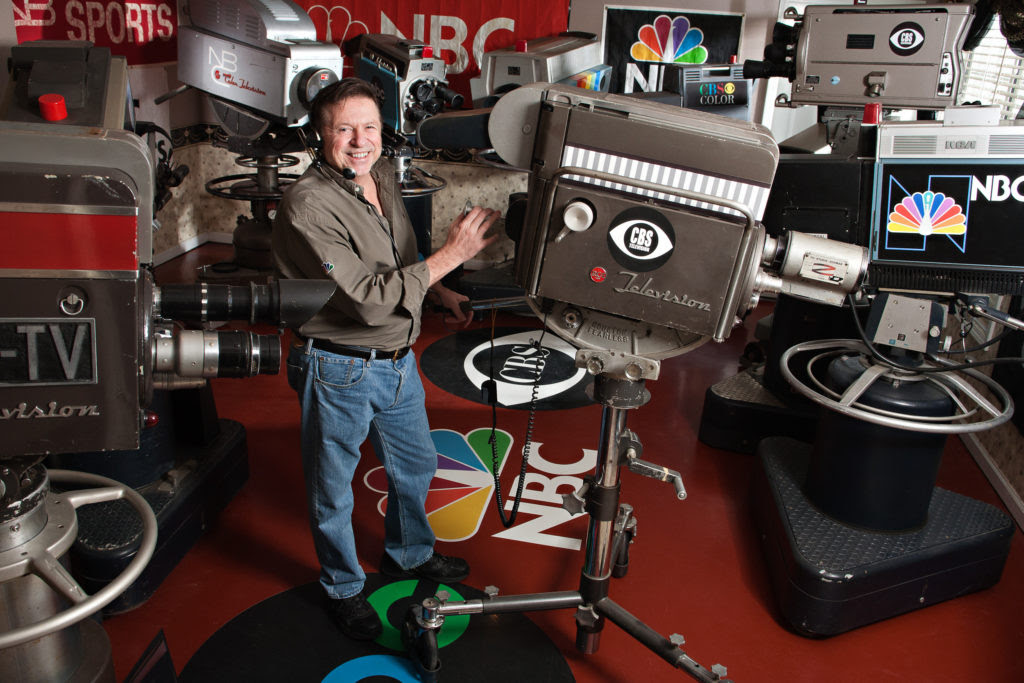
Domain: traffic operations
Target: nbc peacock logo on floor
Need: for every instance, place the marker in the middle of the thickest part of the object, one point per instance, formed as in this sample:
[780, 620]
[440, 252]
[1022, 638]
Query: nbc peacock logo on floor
[462, 488]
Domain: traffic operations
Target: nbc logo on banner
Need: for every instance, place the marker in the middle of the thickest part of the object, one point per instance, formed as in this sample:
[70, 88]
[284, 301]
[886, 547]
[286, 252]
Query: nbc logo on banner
[461, 490]
[670, 41]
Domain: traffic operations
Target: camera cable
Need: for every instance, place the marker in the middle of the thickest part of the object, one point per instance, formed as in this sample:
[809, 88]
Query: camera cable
[490, 389]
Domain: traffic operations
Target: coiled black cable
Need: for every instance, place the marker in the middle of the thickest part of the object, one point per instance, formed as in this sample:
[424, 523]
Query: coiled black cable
[493, 399]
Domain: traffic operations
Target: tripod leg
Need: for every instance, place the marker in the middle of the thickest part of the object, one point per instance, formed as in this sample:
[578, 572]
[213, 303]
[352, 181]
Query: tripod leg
[657, 643]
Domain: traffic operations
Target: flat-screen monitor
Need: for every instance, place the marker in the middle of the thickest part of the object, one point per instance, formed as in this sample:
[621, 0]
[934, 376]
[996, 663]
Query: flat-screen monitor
[948, 209]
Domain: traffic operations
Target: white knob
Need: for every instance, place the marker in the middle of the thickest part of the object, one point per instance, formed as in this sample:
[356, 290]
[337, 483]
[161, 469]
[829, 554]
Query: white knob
[578, 216]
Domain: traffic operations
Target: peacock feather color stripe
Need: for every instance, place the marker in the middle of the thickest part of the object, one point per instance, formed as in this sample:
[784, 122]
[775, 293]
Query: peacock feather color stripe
[463, 485]
[669, 40]
[928, 213]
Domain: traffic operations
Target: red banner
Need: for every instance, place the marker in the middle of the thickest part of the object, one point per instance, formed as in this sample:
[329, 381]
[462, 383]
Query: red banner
[461, 30]
[144, 32]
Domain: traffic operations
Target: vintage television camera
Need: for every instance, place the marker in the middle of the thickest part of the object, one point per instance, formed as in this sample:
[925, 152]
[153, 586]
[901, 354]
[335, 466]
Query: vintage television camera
[885, 540]
[409, 78]
[641, 227]
[640, 241]
[261, 55]
[571, 58]
[261, 66]
[87, 341]
[908, 55]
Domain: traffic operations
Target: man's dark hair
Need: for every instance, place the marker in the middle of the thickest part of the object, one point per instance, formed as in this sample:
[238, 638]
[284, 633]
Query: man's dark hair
[338, 92]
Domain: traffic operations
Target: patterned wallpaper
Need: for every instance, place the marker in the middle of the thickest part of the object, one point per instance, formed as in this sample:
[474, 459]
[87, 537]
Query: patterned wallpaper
[194, 216]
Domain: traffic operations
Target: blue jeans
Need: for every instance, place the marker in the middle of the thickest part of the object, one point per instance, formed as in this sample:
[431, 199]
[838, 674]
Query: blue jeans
[344, 400]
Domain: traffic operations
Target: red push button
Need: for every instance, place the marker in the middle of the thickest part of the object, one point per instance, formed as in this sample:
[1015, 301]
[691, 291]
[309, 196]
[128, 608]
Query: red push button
[52, 107]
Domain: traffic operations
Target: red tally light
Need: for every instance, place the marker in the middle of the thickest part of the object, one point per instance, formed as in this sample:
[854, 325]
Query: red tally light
[428, 52]
[872, 112]
[52, 107]
[150, 419]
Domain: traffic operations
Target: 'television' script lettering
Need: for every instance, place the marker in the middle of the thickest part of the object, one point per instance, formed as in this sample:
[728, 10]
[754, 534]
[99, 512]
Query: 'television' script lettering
[647, 289]
[53, 409]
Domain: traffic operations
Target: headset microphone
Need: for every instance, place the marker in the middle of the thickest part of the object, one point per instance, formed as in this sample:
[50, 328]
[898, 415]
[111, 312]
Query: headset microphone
[312, 142]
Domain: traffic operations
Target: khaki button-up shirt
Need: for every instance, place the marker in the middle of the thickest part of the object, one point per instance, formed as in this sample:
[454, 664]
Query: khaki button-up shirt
[325, 229]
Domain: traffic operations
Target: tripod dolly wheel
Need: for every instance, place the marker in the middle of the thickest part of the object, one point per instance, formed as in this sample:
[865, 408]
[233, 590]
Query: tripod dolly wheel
[421, 645]
[41, 555]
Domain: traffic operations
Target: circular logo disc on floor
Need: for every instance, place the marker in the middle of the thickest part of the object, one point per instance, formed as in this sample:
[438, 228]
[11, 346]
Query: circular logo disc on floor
[289, 637]
[460, 364]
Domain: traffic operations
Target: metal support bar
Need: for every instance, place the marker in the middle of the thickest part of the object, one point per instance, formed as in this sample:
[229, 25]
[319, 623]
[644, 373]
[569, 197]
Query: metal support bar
[528, 602]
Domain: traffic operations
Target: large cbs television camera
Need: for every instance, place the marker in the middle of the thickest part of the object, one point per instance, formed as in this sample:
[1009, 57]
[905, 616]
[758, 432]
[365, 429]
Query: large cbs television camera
[842, 55]
[640, 240]
[641, 236]
[89, 346]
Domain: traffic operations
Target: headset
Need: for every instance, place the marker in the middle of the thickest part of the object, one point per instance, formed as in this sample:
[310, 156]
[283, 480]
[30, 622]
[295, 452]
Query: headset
[313, 143]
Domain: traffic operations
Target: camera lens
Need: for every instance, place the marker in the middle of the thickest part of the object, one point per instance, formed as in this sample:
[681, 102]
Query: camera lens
[286, 302]
[416, 114]
[232, 353]
[450, 97]
[422, 91]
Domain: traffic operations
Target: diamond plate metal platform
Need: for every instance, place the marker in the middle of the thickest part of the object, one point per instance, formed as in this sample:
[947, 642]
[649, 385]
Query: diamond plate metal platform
[830, 577]
[741, 410]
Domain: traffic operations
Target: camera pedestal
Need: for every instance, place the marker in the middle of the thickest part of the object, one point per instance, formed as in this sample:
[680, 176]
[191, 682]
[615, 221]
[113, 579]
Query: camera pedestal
[188, 468]
[830, 578]
[854, 529]
[609, 534]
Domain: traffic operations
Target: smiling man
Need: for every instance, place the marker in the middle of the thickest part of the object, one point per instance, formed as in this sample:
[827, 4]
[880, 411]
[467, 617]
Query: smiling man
[351, 363]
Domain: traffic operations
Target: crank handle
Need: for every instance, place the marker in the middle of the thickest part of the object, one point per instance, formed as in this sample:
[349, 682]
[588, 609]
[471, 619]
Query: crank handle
[649, 469]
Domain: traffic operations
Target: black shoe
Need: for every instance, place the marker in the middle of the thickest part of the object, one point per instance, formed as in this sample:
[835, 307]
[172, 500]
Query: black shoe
[439, 568]
[355, 617]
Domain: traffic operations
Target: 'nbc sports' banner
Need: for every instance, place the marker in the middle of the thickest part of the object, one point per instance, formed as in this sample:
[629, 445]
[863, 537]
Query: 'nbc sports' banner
[639, 43]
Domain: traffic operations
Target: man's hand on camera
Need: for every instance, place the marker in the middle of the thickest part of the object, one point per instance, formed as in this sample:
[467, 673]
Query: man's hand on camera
[449, 301]
[467, 236]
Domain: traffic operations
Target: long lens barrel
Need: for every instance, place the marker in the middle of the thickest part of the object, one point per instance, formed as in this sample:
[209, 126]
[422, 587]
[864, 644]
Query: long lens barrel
[284, 302]
[202, 353]
[204, 302]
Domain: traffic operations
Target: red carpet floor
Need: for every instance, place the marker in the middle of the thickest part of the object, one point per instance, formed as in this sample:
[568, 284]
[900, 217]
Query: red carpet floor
[696, 566]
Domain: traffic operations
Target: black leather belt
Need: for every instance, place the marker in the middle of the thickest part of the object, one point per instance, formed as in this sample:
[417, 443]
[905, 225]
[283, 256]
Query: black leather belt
[363, 352]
